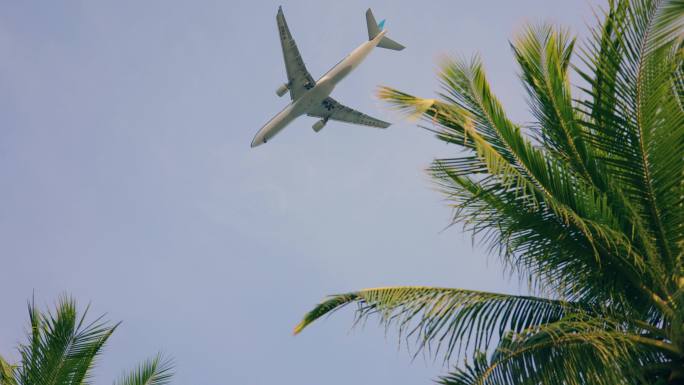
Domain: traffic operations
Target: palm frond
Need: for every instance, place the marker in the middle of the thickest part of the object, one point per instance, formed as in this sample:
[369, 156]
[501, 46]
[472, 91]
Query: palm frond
[7, 373]
[469, 373]
[532, 241]
[155, 371]
[544, 54]
[526, 177]
[62, 348]
[575, 350]
[448, 319]
[635, 120]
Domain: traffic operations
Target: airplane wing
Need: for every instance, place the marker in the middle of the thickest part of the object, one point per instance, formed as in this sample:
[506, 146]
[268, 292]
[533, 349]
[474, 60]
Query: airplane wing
[298, 78]
[331, 109]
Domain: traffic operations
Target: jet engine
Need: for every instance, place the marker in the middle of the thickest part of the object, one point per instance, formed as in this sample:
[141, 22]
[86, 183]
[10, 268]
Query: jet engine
[282, 89]
[319, 125]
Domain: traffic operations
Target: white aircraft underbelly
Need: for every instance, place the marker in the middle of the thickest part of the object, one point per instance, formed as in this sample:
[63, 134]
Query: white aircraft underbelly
[301, 106]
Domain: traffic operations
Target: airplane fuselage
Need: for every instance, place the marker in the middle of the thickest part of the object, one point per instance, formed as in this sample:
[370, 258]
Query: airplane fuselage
[315, 96]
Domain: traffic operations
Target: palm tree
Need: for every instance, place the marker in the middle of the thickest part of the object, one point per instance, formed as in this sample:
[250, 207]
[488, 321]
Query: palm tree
[62, 349]
[586, 203]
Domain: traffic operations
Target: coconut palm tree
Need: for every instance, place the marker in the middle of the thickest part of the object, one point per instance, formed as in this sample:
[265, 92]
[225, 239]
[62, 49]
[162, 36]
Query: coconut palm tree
[62, 348]
[586, 203]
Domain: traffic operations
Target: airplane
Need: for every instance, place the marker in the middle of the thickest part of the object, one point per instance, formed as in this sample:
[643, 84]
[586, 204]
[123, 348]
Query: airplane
[312, 97]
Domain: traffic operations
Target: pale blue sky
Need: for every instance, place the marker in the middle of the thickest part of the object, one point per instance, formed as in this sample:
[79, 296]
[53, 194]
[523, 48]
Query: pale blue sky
[128, 179]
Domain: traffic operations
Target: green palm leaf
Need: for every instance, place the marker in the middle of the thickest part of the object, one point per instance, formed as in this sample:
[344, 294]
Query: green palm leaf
[7, 373]
[526, 180]
[637, 122]
[155, 371]
[63, 347]
[576, 350]
[451, 319]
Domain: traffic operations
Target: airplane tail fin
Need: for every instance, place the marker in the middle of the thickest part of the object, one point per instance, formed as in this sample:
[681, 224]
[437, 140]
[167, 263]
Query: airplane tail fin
[374, 29]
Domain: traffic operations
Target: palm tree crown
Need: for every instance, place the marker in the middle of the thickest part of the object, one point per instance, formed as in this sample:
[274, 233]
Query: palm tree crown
[62, 348]
[587, 201]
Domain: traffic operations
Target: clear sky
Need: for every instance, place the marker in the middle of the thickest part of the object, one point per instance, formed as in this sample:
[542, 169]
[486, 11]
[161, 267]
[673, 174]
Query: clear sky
[128, 179]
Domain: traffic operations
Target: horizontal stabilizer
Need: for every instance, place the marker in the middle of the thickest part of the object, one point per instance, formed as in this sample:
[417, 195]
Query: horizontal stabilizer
[388, 43]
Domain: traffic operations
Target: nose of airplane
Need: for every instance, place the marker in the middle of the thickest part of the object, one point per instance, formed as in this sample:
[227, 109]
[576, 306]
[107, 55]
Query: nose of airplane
[258, 140]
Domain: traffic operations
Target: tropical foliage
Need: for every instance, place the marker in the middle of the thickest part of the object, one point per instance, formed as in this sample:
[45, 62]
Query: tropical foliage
[587, 202]
[62, 349]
